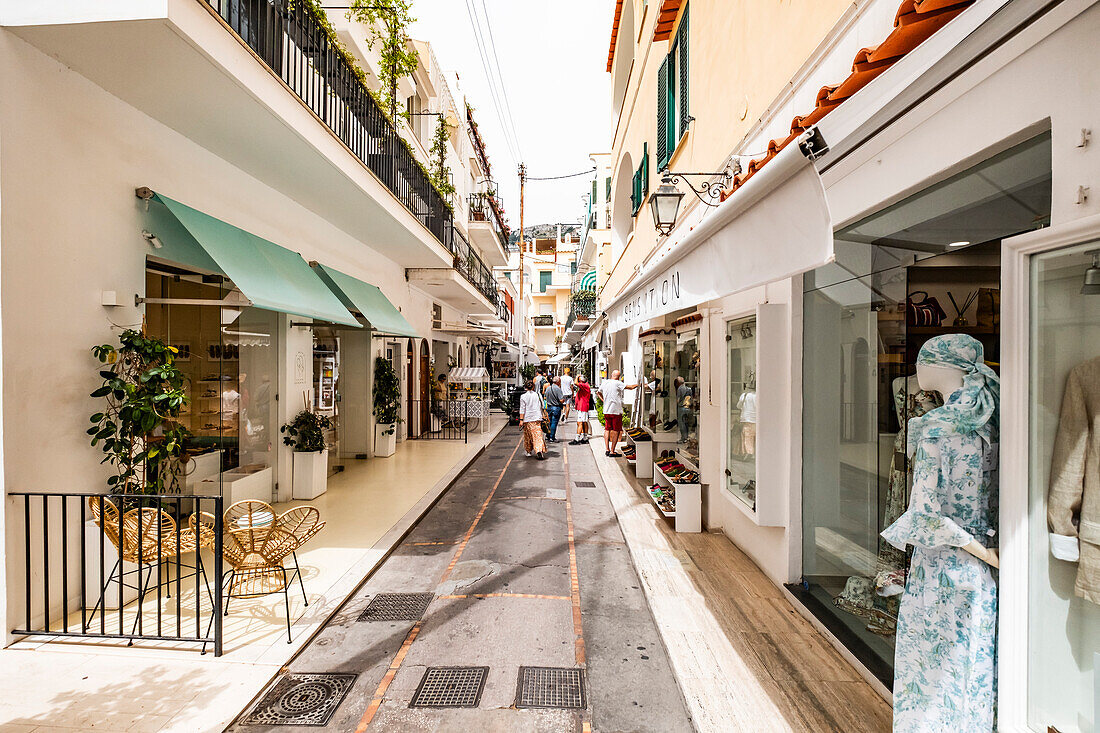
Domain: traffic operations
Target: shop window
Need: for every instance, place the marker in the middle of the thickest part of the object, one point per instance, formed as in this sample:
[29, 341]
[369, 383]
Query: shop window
[658, 411]
[686, 392]
[926, 266]
[741, 364]
[1064, 626]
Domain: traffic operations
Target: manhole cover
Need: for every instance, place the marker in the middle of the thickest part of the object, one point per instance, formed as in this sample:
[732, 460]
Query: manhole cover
[301, 699]
[450, 687]
[585, 484]
[550, 687]
[396, 607]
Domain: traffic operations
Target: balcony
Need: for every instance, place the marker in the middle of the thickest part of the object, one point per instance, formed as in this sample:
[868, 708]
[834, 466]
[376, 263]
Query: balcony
[580, 314]
[543, 321]
[256, 83]
[468, 285]
[486, 226]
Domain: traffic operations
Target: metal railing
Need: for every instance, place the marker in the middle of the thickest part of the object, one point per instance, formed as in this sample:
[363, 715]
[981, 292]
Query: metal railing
[467, 262]
[447, 419]
[543, 320]
[481, 207]
[120, 566]
[295, 46]
[582, 310]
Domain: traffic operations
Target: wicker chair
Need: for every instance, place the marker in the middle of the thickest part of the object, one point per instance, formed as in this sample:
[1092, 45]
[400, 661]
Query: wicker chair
[145, 537]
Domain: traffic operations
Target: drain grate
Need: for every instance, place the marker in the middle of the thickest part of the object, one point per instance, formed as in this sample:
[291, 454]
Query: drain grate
[301, 699]
[585, 484]
[450, 687]
[550, 687]
[396, 607]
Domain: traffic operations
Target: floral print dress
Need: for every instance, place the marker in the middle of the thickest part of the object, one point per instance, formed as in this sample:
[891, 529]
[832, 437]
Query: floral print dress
[944, 662]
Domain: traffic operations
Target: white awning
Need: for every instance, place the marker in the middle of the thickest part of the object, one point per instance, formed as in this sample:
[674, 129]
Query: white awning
[468, 374]
[592, 336]
[559, 357]
[774, 226]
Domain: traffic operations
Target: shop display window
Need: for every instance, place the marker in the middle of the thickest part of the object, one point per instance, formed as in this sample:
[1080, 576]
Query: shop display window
[685, 386]
[230, 360]
[741, 444]
[926, 266]
[658, 401]
[1063, 626]
[326, 390]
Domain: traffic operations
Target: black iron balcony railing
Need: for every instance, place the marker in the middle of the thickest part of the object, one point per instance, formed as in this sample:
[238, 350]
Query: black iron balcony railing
[581, 310]
[481, 209]
[473, 269]
[294, 45]
[543, 320]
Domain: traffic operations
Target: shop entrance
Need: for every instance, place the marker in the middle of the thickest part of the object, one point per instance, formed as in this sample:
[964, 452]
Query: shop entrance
[425, 386]
[326, 391]
[927, 266]
[410, 392]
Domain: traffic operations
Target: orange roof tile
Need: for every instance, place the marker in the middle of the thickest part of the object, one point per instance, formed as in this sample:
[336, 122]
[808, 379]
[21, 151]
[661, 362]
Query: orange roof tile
[915, 22]
[614, 33]
[666, 19]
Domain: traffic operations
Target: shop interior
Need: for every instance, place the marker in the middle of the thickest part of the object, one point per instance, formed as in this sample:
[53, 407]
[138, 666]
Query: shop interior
[925, 266]
[741, 443]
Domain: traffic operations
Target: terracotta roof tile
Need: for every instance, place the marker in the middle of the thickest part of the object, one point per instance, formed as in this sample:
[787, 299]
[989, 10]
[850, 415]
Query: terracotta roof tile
[666, 19]
[915, 22]
[614, 33]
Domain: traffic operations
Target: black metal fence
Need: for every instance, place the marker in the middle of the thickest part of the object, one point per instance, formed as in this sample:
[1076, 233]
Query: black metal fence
[292, 42]
[121, 566]
[447, 419]
[473, 269]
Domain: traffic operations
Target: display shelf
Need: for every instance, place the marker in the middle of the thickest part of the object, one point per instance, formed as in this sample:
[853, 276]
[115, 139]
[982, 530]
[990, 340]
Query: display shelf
[643, 456]
[689, 499]
[669, 515]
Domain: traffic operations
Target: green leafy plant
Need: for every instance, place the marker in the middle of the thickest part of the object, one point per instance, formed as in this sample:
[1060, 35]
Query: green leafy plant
[144, 393]
[440, 171]
[387, 395]
[527, 371]
[398, 59]
[306, 432]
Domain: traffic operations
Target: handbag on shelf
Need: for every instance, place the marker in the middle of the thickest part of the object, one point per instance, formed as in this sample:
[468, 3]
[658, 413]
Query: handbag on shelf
[926, 312]
[989, 308]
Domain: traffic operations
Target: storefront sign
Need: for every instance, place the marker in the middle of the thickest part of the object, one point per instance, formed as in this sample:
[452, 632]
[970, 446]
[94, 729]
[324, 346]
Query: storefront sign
[775, 226]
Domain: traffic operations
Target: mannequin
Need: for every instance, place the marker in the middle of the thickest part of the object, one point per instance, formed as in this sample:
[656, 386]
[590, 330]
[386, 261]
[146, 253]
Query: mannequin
[947, 380]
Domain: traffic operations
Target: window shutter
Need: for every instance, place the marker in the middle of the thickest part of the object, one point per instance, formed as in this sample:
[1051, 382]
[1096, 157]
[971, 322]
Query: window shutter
[663, 152]
[608, 181]
[593, 199]
[682, 45]
[645, 169]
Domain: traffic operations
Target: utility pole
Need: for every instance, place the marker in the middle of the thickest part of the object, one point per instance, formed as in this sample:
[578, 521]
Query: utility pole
[522, 302]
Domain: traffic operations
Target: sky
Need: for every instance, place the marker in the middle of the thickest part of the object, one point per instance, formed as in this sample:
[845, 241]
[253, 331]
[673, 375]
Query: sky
[552, 59]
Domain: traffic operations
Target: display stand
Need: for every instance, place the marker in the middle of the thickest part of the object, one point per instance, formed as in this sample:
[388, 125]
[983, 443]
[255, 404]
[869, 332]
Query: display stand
[468, 395]
[688, 516]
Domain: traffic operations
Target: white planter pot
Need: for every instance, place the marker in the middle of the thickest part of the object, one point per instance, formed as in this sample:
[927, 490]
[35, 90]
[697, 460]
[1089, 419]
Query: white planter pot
[95, 580]
[385, 445]
[310, 474]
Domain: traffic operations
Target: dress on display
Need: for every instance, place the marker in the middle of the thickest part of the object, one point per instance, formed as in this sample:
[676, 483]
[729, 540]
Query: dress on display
[945, 658]
[877, 598]
[746, 403]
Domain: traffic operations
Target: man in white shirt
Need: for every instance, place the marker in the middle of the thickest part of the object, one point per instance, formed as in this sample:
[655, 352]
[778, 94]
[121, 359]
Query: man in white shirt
[567, 390]
[530, 417]
[612, 391]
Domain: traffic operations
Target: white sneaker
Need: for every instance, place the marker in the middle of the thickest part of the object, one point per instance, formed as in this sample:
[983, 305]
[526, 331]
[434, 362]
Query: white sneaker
[527, 453]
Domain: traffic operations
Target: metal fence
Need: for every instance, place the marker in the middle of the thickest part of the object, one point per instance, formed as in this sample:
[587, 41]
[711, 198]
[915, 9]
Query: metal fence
[447, 419]
[121, 566]
[292, 42]
[473, 269]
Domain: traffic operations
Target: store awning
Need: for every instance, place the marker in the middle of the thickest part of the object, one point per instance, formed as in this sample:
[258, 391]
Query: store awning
[468, 374]
[774, 226]
[367, 299]
[271, 277]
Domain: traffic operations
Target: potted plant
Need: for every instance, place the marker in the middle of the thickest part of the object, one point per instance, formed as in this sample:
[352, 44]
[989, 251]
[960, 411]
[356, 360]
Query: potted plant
[306, 433]
[387, 404]
[140, 436]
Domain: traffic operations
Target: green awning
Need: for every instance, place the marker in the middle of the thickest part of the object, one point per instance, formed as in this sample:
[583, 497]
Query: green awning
[272, 277]
[368, 300]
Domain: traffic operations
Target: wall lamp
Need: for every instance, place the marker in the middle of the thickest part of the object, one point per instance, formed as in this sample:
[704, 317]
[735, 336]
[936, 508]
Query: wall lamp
[664, 203]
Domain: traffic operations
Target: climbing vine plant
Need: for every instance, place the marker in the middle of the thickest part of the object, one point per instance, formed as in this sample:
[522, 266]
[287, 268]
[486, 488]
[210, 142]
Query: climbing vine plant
[397, 58]
[441, 172]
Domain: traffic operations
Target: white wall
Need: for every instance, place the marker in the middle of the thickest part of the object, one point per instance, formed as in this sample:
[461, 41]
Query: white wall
[71, 228]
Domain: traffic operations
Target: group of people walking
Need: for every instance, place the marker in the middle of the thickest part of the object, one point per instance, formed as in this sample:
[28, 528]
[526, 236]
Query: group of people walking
[546, 401]
[549, 400]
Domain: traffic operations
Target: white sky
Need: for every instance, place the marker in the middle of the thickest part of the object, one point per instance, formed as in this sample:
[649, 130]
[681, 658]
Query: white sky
[552, 60]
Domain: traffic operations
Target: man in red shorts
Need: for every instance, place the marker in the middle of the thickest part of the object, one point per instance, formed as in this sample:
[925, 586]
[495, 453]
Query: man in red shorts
[612, 391]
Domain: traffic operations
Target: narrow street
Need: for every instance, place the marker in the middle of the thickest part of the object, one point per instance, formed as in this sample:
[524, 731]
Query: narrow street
[521, 565]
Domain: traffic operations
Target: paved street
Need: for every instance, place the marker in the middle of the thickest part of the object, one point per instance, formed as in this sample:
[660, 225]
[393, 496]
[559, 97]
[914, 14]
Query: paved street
[526, 567]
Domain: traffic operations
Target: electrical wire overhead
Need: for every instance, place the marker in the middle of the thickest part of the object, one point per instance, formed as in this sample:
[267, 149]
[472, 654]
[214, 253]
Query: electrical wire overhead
[496, 87]
[500, 78]
[558, 178]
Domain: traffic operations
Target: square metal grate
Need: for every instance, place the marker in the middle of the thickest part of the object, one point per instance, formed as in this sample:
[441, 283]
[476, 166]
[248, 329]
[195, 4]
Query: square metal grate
[550, 687]
[396, 607]
[450, 687]
[585, 484]
[301, 699]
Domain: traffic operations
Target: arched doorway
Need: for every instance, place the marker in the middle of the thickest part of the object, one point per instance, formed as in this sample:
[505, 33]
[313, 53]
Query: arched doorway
[410, 393]
[425, 384]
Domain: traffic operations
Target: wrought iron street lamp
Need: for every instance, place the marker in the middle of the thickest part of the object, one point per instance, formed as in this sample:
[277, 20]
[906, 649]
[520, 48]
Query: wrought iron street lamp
[665, 201]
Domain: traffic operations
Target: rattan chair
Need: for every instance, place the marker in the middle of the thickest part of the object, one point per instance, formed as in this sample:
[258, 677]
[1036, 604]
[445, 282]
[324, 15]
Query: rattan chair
[146, 537]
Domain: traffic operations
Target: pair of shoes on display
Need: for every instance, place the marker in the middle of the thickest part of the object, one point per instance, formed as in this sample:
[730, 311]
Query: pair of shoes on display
[669, 425]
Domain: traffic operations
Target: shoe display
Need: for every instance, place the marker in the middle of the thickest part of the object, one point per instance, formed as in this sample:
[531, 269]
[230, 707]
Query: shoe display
[669, 425]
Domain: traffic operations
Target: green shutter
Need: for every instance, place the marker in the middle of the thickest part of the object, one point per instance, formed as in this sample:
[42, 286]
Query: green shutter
[636, 192]
[663, 151]
[593, 199]
[645, 169]
[682, 45]
[545, 278]
[573, 267]
[608, 182]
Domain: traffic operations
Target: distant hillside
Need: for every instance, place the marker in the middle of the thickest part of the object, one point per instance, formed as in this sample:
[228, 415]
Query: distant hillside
[542, 231]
